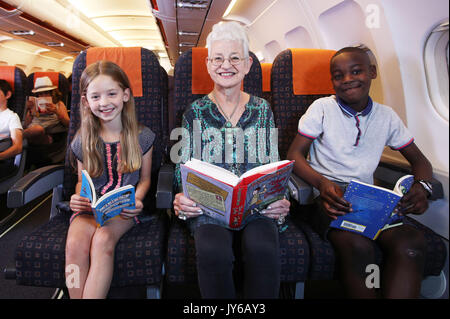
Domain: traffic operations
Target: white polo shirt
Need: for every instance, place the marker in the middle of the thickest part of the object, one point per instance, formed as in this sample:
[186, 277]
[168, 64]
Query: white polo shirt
[347, 144]
[9, 121]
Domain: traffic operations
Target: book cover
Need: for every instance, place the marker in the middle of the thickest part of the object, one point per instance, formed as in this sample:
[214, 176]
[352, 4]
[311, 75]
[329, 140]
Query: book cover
[110, 204]
[374, 207]
[229, 198]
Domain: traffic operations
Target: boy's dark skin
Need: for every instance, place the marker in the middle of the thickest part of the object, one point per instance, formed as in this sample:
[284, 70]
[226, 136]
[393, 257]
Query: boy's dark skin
[351, 75]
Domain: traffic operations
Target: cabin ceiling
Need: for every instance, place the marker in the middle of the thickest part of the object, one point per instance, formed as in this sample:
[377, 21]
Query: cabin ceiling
[167, 27]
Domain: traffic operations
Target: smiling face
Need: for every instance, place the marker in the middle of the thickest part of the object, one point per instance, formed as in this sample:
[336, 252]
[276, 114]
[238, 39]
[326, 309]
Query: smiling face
[352, 74]
[227, 75]
[105, 97]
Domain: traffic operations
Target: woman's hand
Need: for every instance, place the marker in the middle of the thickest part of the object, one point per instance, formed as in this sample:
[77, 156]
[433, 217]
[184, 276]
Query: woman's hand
[80, 204]
[130, 213]
[185, 208]
[331, 198]
[277, 210]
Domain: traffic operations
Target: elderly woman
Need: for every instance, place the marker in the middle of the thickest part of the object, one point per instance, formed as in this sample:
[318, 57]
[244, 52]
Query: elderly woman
[227, 108]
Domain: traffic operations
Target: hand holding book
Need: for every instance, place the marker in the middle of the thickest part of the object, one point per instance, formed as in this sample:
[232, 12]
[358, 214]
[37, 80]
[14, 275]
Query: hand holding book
[332, 198]
[414, 202]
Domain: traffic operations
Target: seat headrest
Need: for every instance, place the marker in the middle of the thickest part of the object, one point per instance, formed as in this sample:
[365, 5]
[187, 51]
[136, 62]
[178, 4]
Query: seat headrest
[201, 81]
[266, 68]
[129, 59]
[7, 73]
[311, 71]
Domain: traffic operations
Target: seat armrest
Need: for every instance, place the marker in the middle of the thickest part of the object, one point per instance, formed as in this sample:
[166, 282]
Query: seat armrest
[299, 190]
[34, 184]
[164, 190]
[388, 172]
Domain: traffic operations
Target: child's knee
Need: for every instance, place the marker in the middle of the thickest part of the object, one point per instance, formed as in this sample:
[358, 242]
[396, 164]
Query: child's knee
[76, 248]
[411, 246]
[353, 246]
[103, 243]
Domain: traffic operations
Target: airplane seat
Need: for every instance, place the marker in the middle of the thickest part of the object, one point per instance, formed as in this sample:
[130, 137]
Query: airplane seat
[165, 113]
[266, 68]
[299, 77]
[139, 255]
[18, 81]
[41, 155]
[192, 82]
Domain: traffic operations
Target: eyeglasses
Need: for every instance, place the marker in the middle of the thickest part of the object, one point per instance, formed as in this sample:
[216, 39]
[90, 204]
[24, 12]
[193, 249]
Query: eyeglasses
[218, 60]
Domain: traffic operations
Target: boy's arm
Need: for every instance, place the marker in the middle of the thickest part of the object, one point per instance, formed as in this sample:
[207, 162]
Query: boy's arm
[16, 147]
[415, 201]
[330, 193]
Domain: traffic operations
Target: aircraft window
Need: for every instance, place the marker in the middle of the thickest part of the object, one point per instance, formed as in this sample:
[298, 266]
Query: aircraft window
[436, 61]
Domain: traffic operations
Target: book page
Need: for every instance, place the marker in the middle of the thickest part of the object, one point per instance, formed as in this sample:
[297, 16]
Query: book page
[264, 168]
[213, 196]
[403, 184]
[214, 171]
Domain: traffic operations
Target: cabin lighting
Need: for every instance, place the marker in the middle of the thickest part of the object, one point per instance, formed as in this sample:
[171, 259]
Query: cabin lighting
[230, 6]
[22, 32]
[186, 44]
[189, 5]
[54, 44]
[187, 33]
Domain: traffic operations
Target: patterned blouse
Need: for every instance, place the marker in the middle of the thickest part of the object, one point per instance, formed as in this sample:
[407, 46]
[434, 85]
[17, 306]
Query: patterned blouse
[251, 143]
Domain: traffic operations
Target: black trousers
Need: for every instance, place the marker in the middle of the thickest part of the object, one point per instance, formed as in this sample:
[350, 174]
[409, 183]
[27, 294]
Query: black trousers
[259, 246]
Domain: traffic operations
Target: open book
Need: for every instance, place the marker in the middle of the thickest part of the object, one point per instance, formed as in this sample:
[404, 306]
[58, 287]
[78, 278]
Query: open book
[230, 198]
[110, 204]
[40, 103]
[374, 207]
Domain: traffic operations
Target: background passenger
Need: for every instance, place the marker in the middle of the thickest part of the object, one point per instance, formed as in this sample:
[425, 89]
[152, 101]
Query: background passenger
[10, 131]
[41, 124]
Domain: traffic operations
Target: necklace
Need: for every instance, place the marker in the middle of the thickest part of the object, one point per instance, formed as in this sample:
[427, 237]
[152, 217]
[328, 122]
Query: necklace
[228, 118]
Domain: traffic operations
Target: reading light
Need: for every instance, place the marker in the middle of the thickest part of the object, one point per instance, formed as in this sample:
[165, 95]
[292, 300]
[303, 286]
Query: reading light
[54, 44]
[189, 5]
[186, 44]
[22, 32]
[187, 33]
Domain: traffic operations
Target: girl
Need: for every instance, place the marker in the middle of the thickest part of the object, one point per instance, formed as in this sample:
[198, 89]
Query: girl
[55, 119]
[115, 151]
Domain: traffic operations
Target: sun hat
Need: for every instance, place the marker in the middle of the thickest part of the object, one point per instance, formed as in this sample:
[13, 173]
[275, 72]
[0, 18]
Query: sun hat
[43, 84]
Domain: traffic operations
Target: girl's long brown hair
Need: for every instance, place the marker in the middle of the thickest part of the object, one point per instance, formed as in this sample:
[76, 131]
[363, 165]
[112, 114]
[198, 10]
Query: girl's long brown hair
[92, 145]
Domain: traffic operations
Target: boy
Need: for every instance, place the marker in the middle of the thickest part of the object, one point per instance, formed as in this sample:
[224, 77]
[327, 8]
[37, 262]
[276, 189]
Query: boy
[10, 128]
[345, 136]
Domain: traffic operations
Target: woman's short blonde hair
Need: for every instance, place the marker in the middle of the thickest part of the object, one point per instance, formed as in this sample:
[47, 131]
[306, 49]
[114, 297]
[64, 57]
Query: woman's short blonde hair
[228, 31]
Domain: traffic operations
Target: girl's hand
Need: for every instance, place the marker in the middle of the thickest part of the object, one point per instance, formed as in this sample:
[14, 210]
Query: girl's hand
[51, 108]
[130, 213]
[185, 208]
[332, 200]
[277, 210]
[414, 202]
[80, 204]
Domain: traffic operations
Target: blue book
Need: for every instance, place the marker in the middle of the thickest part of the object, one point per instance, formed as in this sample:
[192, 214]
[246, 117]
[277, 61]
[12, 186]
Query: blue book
[110, 204]
[374, 207]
